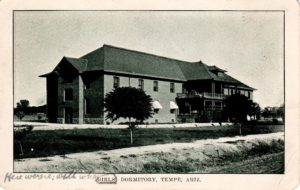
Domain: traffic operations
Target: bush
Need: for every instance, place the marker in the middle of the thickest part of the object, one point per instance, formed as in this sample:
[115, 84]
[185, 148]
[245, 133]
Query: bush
[275, 121]
[20, 114]
[19, 134]
[252, 122]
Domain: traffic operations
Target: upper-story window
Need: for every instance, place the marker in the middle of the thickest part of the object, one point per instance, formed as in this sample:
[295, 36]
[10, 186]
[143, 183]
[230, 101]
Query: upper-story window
[116, 82]
[155, 86]
[68, 94]
[220, 74]
[248, 94]
[226, 92]
[172, 87]
[232, 92]
[141, 84]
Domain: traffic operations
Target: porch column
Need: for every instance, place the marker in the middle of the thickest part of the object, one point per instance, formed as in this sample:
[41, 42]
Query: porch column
[129, 82]
[221, 89]
[80, 100]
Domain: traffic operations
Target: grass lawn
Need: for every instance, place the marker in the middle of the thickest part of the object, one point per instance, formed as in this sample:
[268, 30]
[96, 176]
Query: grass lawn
[32, 118]
[262, 158]
[267, 164]
[60, 142]
[236, 155]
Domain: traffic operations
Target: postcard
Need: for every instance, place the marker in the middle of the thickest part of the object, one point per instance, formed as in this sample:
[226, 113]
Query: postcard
[148, 95]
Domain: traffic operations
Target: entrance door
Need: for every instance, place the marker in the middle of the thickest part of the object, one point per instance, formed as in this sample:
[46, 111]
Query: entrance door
[68, 115]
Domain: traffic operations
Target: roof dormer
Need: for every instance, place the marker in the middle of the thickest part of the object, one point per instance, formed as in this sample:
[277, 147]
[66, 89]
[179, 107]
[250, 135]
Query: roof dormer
[216, 70]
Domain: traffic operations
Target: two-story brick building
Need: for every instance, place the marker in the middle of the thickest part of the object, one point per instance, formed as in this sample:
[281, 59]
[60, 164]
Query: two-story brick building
[181, 91]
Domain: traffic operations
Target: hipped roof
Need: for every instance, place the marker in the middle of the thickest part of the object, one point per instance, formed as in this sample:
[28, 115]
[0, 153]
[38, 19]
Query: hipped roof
[119, 60]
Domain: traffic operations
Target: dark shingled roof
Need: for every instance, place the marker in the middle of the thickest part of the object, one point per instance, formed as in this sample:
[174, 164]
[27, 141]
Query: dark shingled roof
[119, 60]
[79, 64]
[95, 59]
[194, 71]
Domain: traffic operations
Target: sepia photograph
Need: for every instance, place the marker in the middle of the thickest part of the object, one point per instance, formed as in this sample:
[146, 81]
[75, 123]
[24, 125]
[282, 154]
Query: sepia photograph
[149, 92]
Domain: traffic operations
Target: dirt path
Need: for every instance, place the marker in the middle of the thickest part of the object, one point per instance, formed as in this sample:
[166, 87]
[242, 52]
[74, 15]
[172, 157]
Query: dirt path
[39, 126]
[118, 160]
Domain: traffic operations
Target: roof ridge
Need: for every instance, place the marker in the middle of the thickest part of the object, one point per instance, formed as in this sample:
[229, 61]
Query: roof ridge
[74, 58]
[91, 52]
[141, 52]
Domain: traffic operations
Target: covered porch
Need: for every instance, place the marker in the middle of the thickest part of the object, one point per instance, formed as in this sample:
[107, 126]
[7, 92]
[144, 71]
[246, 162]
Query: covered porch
[199, 110]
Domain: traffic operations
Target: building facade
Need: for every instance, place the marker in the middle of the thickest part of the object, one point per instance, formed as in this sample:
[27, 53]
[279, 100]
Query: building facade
[181, 91]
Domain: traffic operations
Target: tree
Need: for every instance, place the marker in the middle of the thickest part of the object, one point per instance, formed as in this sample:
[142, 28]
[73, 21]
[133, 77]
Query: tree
[255, 111]
[22, 109]
[237, 107]
[23, 105]
[280, 112]
[128, 102]
[266, 113]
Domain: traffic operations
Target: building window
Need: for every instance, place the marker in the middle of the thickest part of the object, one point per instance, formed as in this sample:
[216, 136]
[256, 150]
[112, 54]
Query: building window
[232, 92]
[116, 82]
[155, 86]
[249, 94]
[172, 87]
[68, 94]
[218, 105]
[226, 91]
[87, 109]
[220, 74]
[141, 84]
[184, 90]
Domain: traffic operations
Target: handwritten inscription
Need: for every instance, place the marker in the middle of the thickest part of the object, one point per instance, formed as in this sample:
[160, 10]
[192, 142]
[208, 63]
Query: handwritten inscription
[9, 177]
[98, 178]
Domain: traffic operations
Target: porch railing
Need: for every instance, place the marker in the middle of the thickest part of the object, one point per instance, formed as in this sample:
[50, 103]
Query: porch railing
[216, 108]
[201, 95]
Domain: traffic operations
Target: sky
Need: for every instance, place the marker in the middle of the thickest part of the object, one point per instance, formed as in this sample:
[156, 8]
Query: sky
[248, 44]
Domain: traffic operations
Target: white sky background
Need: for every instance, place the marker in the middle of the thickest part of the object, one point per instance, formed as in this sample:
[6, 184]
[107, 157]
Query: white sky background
[249, 45]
